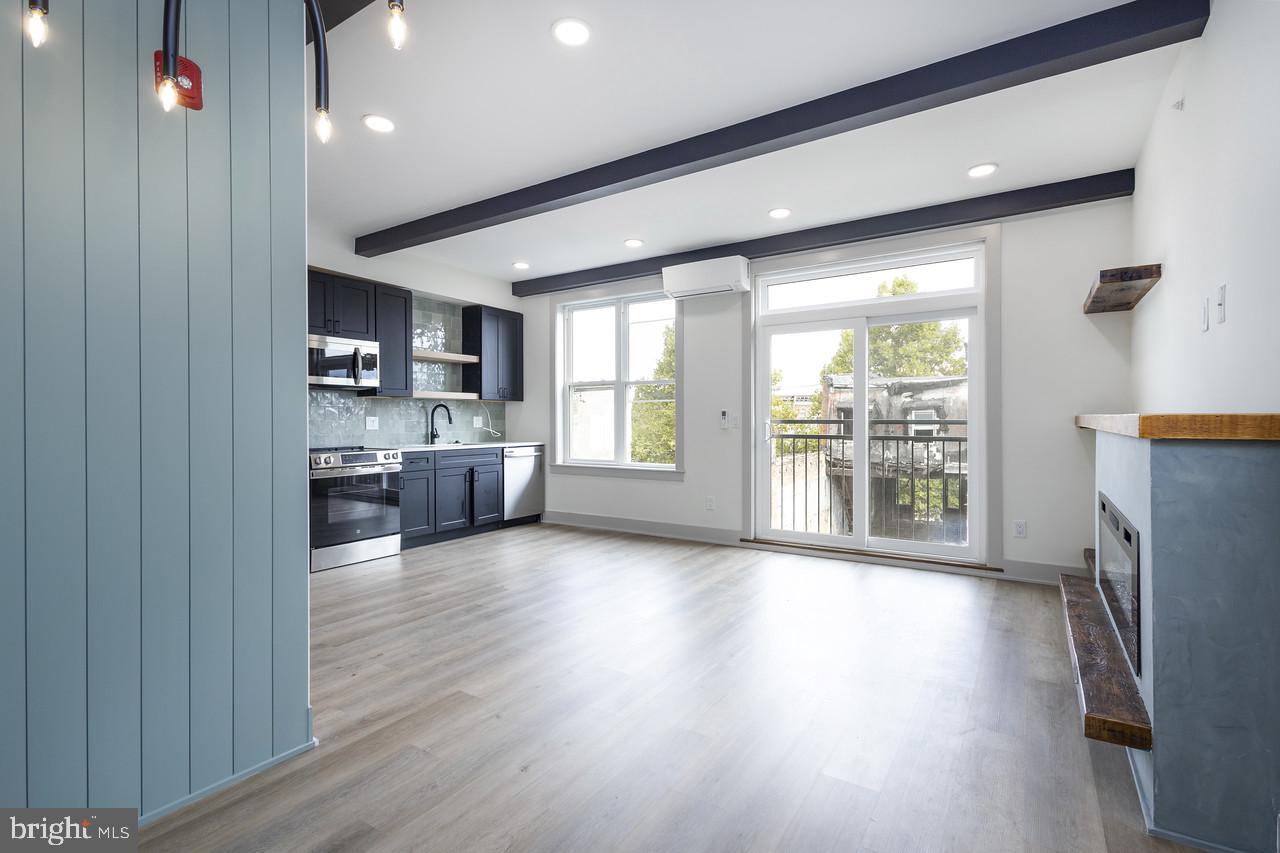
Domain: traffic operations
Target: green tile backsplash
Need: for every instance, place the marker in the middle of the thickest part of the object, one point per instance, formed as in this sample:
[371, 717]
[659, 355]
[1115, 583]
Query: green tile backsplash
[338, 417]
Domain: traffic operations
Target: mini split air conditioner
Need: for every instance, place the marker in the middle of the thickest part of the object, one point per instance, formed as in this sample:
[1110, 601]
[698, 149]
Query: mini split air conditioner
[703, 278]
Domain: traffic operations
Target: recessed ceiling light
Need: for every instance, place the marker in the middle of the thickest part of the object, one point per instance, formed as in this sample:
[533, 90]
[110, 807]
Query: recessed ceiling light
[633, 243]
[983, 170]
[571, 31]
[780, 212]
[521, 265]
[381, 124]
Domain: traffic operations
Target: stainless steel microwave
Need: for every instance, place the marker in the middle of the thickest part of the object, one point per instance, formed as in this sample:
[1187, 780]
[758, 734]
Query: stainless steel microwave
[342, 362]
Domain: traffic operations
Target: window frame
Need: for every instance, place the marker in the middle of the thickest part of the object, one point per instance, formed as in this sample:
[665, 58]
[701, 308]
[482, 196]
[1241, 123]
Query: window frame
[621, 386]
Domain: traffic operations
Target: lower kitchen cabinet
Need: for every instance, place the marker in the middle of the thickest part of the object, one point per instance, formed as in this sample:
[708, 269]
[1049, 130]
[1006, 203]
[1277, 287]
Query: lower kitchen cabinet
[417, 503]
[453, 499]
[486, 495]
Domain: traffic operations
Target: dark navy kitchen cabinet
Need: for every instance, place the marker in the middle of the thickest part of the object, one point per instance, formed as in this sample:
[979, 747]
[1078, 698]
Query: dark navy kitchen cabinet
[497, 337]
[417, 503]
[453, 499]
[393, 313]
[486, 495]
[340, 307]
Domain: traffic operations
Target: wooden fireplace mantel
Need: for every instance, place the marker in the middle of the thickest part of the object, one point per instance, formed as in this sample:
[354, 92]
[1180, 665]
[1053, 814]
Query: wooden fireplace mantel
[1255, 426]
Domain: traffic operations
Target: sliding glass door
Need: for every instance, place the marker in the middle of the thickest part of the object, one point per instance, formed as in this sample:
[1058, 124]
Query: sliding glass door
[868, 398]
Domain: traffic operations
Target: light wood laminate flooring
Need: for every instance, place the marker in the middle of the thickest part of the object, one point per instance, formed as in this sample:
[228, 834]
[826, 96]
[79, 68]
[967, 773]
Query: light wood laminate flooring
[546, 688]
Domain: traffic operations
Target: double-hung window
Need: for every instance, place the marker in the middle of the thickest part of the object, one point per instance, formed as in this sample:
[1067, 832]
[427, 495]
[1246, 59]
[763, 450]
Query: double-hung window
[621, 374]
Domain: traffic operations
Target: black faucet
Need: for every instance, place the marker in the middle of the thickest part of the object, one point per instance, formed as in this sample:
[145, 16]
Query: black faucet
[435, 433]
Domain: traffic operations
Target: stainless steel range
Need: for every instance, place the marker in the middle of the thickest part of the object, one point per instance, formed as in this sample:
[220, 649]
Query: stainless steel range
[355, 505]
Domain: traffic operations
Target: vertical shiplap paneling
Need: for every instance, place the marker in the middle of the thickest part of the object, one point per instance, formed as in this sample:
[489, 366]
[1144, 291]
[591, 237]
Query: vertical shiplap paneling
[288, 372]
[251, 354]
[113, 458]
[53, 128]
[209, 209]
[13, 592]
[166, 716]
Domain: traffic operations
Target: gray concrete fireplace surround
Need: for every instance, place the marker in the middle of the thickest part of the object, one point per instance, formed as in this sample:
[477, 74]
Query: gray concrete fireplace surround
[1208, 513]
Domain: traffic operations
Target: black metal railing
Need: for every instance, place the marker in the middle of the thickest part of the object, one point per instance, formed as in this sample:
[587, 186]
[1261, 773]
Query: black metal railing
[917, 478]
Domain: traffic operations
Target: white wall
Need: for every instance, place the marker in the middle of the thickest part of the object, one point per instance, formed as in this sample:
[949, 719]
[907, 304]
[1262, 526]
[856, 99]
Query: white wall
[332, 250]
[1208, 206]
[1058, 362]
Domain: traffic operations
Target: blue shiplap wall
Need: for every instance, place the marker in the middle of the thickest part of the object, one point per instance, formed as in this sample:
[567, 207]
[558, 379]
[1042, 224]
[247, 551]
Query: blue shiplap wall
[153, 554]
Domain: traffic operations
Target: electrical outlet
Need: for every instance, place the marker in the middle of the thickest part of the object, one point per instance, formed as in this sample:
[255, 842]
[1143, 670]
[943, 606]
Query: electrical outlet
[477, 422]
[1019, 529]
[370, 423]
[710, 503]
[1222, 303]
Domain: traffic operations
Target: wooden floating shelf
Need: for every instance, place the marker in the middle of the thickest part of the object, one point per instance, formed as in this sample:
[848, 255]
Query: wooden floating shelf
[1120, 289]
[449, 357]
[445, 395]
[1259, 426]
[1110, 704]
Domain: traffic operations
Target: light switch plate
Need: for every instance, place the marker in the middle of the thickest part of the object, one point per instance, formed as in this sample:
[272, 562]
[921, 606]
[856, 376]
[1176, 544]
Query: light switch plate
[371, 423]
[477, 422]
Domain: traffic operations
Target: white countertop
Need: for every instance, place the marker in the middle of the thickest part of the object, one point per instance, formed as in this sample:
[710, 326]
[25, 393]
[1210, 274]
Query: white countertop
[419, 447]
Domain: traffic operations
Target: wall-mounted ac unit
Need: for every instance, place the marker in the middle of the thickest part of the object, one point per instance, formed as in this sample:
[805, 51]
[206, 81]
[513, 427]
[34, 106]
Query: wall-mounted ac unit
[703, 278]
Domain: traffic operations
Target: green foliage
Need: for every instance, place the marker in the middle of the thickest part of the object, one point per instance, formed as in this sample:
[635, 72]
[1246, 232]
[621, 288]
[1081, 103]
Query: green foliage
[910, 349]
[653, 411]
[783, 408]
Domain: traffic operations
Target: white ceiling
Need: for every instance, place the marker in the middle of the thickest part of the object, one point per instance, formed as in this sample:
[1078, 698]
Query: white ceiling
[487, 102]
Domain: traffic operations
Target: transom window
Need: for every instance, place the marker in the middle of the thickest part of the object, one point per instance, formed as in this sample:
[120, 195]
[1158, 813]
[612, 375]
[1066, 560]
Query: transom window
[875, 280]
[621, 372]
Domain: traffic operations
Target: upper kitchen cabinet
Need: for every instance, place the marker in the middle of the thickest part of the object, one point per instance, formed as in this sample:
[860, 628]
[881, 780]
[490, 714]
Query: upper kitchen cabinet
[340, 307]
[393, 311]
[497, 337]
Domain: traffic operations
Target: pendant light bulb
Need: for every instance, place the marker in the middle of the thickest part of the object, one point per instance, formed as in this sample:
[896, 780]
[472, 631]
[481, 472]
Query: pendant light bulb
[168, 93]
[37, 27]
[396, 26]
[324, 127]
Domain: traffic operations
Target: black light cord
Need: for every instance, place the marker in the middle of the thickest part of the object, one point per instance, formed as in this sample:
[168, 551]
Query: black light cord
[322, 54]
[169, 46]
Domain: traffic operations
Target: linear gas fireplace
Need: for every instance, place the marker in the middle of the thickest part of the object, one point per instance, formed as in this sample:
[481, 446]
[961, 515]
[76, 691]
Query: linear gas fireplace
[1118, 576]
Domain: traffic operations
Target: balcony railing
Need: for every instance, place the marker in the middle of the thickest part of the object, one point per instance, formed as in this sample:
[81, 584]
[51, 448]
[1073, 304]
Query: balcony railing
[917, 478]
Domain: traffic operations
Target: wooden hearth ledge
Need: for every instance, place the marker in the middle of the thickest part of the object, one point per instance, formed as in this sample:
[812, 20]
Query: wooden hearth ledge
[1110, 704]
[1204, 427]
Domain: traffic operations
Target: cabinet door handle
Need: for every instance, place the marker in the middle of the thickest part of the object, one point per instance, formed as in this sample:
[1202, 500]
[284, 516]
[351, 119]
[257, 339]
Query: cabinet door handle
[402, 484]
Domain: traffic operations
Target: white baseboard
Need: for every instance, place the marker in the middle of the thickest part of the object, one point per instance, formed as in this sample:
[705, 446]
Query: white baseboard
[1039, 573]
[694, 533]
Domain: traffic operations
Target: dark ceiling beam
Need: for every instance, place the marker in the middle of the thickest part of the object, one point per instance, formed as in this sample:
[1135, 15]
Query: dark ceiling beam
[1103, 36]
[949, 215]
[337, 11]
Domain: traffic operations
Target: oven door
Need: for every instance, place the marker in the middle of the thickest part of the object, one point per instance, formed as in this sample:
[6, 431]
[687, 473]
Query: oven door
[342, 362]
[354, 504]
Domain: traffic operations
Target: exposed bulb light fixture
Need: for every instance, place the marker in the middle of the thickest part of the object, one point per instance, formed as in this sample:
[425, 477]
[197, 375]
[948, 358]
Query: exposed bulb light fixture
[521, 265]
[320, 42]
[37, 23]
[780, 213]
[379, 124]
[983, 170]
[396, 26]
[633, 243]
[324, 127]
[571, 31]
[168, 92]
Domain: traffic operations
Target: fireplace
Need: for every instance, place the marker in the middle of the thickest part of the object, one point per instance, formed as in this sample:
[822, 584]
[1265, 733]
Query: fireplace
[1118, 576]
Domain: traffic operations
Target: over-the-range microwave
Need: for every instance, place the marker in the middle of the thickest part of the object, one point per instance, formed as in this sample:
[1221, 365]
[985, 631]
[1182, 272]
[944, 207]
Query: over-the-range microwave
[341, 362]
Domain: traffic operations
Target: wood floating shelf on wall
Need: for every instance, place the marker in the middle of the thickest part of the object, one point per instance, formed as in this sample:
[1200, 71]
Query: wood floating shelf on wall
[1110, 704]
[1120, 289]
[448, 357]
[444, 395]
[1243, 426]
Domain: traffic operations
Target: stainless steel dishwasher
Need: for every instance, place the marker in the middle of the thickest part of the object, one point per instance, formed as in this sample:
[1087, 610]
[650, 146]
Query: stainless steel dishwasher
[523, 482]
